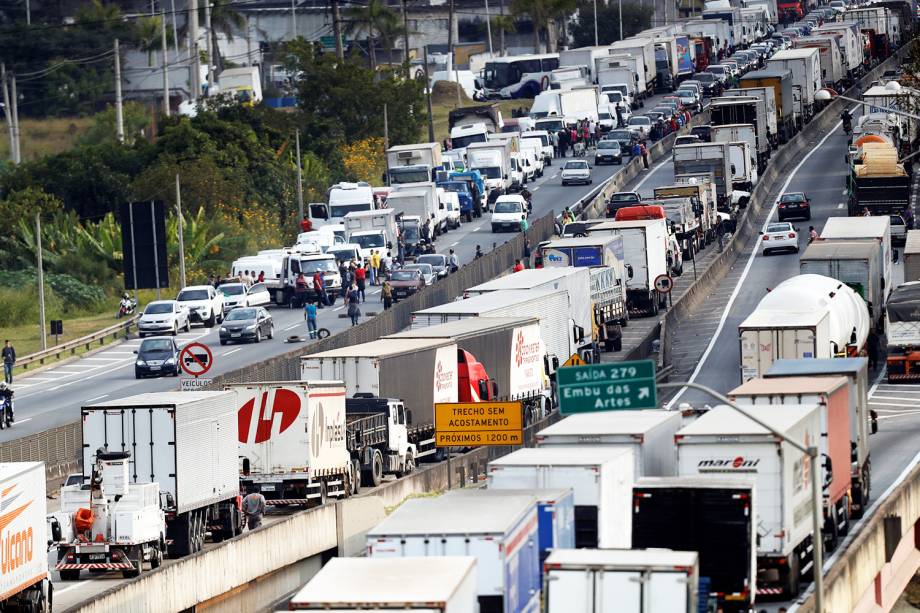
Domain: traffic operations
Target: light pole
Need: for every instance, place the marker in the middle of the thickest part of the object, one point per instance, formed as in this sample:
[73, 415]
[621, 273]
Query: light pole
[489, 26]
[621, 19]
[595, 23]
[817, 538]
[826, 94]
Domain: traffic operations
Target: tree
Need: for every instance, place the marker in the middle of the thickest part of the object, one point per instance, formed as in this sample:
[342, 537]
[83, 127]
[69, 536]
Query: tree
[226, 20]
[636, 17]
[148, 35]
[375, 20]
[543, 14]
[135, 118]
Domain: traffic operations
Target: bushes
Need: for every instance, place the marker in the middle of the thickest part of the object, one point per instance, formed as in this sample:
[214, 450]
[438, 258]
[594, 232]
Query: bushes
[64, 295]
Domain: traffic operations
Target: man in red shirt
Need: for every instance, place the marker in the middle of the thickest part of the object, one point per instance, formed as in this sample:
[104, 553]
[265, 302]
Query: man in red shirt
[518, 266]
[360, 276]
[305, 224]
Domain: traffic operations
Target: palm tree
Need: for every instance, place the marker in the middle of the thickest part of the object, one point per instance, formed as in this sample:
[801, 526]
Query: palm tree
[226, 20]
[376, 20]
[543, 14]
[503, 24]
[147, 35]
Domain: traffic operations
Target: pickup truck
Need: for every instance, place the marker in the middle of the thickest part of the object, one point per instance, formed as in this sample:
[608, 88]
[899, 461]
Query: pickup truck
[204, 303]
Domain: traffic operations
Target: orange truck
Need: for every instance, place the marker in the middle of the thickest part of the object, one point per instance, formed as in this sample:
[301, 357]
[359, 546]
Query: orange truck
[25, 583]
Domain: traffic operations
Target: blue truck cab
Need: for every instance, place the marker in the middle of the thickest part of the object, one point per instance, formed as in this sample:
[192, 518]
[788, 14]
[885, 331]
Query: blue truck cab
[477, 185]
[462, 189]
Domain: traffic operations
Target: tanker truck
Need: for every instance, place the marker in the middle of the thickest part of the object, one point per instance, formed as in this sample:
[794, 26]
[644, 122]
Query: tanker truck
[808, 316]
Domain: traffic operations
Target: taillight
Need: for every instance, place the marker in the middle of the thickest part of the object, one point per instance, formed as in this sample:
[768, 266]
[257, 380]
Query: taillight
[765, 237]
[791, 235]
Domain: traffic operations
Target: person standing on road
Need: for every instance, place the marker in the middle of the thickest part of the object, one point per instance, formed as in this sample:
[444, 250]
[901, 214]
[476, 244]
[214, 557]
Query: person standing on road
[375, 267]
[524, 224]
[360, 278]
[9, 359]
[554, 137]
[305, 224]
[453, 261]
[254, 509]
[309, 313]
[354, 311]
[386, 294]
[319, 288]
[644, 153]
[527, 252]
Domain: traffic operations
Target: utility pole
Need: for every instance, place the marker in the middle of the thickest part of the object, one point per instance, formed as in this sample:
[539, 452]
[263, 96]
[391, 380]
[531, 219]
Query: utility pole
[386, 142]
[405, 16]
[41, 279]
[299, 176]
[249, 44]
[428, 89]
[181, 222]
[501, 34]
[621, 19]
[8, 112]
[294, 19]
[489, 27]
[29, 17]
[119, 104]
[175, 29]
[165, 68]
[595, 24]
[15, 111]
[337, 30]
[207, 26]
[195, 81]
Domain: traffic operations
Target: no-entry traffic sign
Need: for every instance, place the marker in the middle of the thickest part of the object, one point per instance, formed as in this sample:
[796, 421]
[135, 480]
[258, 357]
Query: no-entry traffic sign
[196, 359]
[664, 284]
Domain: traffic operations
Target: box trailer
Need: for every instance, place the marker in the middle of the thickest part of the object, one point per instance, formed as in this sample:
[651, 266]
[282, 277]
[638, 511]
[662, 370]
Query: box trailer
[644, 47]
[638, 581]
[650, 434]
[186, 442]
[767, 103]
[712, 515]
[25, 581]
[601, 479]
[856, 263]
[725, 442]
[370, 584]
[750, 110]
[912, 256]
[832, 397]
[831, 56]
[875, 228]
[903, 339]
[780, 81]
[805, 65]
[500, 532]
[707, 158]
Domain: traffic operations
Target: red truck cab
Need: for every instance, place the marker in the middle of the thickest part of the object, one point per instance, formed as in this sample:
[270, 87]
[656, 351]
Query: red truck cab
[475, 384]
[635, 213]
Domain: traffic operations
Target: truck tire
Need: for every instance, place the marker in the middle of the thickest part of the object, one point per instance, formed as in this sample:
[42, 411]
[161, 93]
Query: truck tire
[179, 533]
[138, 566]
[618, 344]
[156, 557]
[408, 467]
[70, 575]
[372, 474]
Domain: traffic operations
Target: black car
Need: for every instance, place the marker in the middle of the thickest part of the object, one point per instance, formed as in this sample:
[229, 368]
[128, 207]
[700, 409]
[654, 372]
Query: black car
[608, 152]
[620, 200]
[626, 138]
[247, 324]
[704, 133]
[793, 204]
[438, 261]
[157, 356]
[712, 86]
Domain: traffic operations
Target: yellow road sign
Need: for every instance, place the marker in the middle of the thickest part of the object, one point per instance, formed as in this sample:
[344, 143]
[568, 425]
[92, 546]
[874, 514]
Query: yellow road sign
[470, 424]
[575, 360]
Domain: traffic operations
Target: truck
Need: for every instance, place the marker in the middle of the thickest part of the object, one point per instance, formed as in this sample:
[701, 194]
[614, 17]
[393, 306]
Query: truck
[724, 442]
[805, 65]
[469, 202]
[650, 435]
[880, 99]
[743, 164]
[731, 16]
[702, 195]
[416, 373]
[712, 515]
[471, 124]
[601, 478]
[746, 110]
[584, 56]
[372, 230]
[109, 523]
[807, 316]
[707, 158]
[243, 83]
[501, 532]
[430, 205]
[780, 81]
[903, 326]
[610, 72]
[26, 584]
[716, 32]
[413, 207]
[912, 256]
[184, 441]
[572, 104]
[856, 263]
[644, 47]
[667, 73]
[766, 108]
[597, 580]
[831, 396]
[295, 263]
[558, 331]
[851, 42]
[343, 198]
[493, 161]
[372, 584]
[413, 163]
[834, 73]
[498, 358]
[645, 256]
[682, 222]
[877, 229]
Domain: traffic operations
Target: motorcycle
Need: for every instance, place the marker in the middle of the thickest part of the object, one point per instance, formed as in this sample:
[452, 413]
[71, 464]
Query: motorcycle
[126, 308]
[6, 408]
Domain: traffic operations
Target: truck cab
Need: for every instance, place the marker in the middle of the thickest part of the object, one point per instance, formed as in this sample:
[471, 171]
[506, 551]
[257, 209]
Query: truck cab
[378, 437]
[475, 384]
[294, 264]
[372, 230]
[464, 197]
[343, 199]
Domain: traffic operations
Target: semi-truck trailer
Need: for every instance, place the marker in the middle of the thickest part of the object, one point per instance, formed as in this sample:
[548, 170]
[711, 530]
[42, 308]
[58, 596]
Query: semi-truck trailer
[876, 229]
[707, 158]
[805, 65]
[780, 81]
[903, 333]
[25, 581]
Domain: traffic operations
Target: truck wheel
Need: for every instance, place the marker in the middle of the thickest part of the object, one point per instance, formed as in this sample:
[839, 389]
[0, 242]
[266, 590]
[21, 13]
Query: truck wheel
[70, 575]
[373, 473]
[608, 346]
[355, 477]
[408, 467]
[618, 344]
[156, 557]
[323, 493]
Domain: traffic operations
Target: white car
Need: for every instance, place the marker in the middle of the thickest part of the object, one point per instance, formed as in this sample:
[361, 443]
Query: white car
[205, 304]
[427, 270]
[780, 236]
[640, 125]
[238, 295]
[576, 171]
[508, 212]
[163, 316]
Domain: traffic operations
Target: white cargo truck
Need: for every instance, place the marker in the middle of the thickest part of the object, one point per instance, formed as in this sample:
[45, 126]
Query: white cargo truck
[637, 581]
[392, 584]
[413, 163]
[850, 41]
[602, 479]
[428, 206]
[724, 442]
[650, 434]
[644, 47]
[707, 158]
[584, 56]
[26, 582]
[767, 96]
[493, 161]
[636, 65]
[742, 151]
[876, 228]
[184, 441]
[805, 65]
[372, 230]
[833, 61]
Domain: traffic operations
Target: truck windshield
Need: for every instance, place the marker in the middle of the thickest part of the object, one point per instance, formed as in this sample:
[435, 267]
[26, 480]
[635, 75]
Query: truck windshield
[458, 187]
[410, 233]
[308, 267]
[459, 142]
[341, 210]
[367, 241]
[490, 172]
[550, 125]
[409, 175]
[543, 138]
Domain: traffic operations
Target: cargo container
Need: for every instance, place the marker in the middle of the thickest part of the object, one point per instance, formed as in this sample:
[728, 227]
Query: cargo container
[601, 479]
[24, 578]
[714, 516]
[498, 358]
[768, 104]
[750, 110]
[413, 163]
[850, 42]
[186, 442]
[912, 256]
[500, 532]
[650, 435]
[584, 56]
[780, 81]
[557, 328]
[644, 47]
[598, 581]
[725, 442]
[876, 228]
[610, 72]
[833, 62]
[856, 263]
[416, 372]
[832, 397]
[805, 65]
[369, 584]
[807, 316]
[903, 326]
[707, 158]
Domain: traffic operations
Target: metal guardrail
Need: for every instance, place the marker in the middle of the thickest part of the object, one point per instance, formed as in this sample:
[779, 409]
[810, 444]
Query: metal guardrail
[122, 328]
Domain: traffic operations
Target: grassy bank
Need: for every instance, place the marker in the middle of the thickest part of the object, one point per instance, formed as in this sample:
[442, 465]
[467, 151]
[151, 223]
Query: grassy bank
[444, 100]
[42, 137]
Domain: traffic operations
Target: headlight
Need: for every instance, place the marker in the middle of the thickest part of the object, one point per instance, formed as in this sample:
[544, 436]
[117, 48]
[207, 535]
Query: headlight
[171, 361]
[140, 363]
[252, 327]
[223, 329]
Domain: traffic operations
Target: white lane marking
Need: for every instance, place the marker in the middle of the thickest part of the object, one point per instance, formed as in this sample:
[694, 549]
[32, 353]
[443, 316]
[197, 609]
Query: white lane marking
[476, 229]
[118, 352]
[40, 379]
[231, 351]
[61, 590]
[844, 192]
[886, 398]
[22, 421]
[97, 398]
[747, 270]
[649, 174]
[899, 414]
[535, 189]
[455, 243]
[840, 205]
[292, 327]
[893, 404]
[98, 359]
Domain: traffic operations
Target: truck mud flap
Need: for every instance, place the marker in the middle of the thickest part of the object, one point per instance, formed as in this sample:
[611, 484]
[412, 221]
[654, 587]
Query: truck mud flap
[290, 501]
[96, 566]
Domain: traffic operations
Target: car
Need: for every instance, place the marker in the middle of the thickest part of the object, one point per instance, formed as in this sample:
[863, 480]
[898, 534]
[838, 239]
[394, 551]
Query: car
[719, 71]
[157, 356]
[687, 139]
[578, 228]
[780, 237]
[427, 270]
[640, 125]
[237, 295]
[704, 133]
[205, 304]
[898, 230]
[163, 316]
[793, 204]
[626, 138]
[688, 98]
[247, 324]
[621, 199]
[576, 171]
[608, 152]
[508, 211]
[439, 262]
[606, 119]
[712, 85]
[406, 281]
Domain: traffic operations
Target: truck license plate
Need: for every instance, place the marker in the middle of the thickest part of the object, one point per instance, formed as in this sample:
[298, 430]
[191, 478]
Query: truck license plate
[97, 556]
[268, 488]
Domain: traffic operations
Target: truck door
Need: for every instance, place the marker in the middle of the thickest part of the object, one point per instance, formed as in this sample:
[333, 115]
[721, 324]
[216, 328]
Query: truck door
[666, 592]
[398, 437]
[796, 343]
[619, 591]
[570, 590]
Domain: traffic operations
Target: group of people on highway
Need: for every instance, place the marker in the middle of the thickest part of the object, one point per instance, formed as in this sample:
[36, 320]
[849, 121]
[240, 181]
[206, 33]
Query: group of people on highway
[584, 133]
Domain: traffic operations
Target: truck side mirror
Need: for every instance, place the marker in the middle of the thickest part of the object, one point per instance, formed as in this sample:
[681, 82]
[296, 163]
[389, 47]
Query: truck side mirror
[829, 467]
[494, 389]
[56, 532]
[629, 271]
[873, 422]
[408, 416]
[483, 389]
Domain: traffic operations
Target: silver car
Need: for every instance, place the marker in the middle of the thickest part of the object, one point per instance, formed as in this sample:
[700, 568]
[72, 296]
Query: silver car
[163, 316]
[428, 273]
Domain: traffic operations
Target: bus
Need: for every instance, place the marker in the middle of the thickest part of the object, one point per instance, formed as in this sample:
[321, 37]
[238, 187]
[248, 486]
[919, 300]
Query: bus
[519, 76]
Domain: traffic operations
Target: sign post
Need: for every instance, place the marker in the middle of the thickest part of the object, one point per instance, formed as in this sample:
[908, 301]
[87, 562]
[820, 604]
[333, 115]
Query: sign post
[195, 359]
[619, 386]
[664, 284]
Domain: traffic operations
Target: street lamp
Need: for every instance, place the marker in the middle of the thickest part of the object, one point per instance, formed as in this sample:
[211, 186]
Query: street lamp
[827, 94]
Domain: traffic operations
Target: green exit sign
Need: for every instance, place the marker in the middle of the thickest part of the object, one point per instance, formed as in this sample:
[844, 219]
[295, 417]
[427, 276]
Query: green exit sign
[621, 386]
